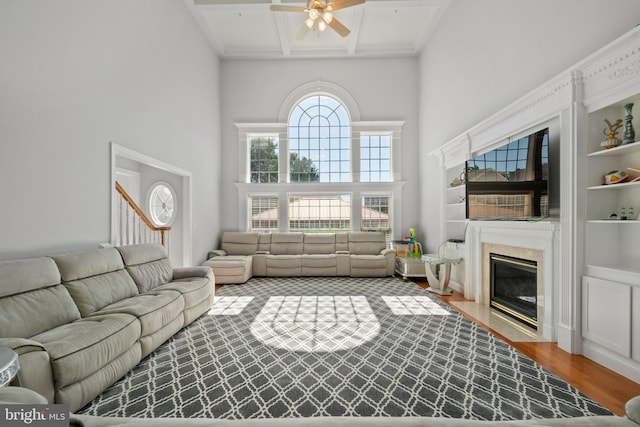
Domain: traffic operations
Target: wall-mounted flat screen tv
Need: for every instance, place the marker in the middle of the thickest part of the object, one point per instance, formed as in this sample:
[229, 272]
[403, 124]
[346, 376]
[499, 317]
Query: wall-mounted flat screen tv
[510, 181]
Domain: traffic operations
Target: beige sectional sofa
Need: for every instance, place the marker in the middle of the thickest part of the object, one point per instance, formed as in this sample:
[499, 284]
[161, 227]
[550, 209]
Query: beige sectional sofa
[244, 255]
[82, 320]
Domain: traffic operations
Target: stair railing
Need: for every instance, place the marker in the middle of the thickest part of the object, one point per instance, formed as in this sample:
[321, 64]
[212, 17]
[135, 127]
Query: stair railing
[133, 226]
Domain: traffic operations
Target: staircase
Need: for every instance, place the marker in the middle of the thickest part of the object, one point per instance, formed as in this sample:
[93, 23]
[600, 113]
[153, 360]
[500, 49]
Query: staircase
[132, 225]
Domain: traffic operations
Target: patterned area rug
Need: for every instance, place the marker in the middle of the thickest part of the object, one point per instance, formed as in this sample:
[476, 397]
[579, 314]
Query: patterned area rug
[289, 347]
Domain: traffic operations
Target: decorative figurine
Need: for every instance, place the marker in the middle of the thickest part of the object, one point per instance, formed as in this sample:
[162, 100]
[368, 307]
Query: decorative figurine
[629, 135]
[611, 134]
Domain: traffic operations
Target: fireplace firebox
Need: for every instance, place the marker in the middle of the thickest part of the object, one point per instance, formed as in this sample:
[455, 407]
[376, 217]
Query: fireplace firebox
[514, 288]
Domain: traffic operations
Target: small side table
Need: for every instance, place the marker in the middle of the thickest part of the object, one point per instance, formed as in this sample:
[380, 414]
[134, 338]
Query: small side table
[438, 271]
[409, 267]
[9, 365]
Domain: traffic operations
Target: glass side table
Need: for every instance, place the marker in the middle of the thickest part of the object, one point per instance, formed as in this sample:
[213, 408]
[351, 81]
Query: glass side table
[8, 365]
[438, 271]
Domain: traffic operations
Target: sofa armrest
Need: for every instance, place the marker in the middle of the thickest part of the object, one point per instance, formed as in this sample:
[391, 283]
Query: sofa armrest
[35, 366]
[185, 272]
[21, 395]
[632, 409]
[216, 252]
[21, 345]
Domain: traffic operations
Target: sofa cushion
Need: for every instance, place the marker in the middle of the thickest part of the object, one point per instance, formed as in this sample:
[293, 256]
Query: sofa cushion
[80, 348]
[95, 278]
[342, 242]
[366, 243]
[264, 242]
[87, 263]
[231, 269]
[147, 264]
[283, 265]
[32, 300]
[238, 243]
[24, 275]
[153, 309]
[320, 243]
[318, 260]
[286, 243]
[194, 290]
[25, 315]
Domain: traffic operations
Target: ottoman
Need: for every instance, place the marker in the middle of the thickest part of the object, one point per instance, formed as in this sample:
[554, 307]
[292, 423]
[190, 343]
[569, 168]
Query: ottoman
[230, 269]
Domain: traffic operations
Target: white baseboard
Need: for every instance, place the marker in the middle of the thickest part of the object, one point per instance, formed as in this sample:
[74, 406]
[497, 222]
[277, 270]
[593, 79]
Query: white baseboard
[622, 365]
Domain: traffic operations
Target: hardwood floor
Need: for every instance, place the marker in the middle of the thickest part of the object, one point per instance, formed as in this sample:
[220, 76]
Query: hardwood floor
[603, 385]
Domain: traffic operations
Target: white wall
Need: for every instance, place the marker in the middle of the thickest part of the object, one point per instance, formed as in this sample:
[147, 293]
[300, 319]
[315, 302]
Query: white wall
[384, 89]
[486, 54]
[77, 74]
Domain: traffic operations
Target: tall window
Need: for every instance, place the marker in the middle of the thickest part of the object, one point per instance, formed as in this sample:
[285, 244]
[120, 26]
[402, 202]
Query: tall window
[319, 141]
[263, 211]
[320, 213]
[263, 158]
[375, 158]
[376, 214]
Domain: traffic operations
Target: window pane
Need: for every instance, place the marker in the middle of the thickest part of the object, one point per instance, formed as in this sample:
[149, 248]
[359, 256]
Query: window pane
[376, 214]
[263, 211]
[375, 158]
[318, 151]
[263, 159]
[320, 213]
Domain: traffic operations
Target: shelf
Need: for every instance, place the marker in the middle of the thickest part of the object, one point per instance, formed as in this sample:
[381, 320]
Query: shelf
[458, 221]
[615, 186]
[621, 273]
[451, 205]
[456, 188]
[620, 150]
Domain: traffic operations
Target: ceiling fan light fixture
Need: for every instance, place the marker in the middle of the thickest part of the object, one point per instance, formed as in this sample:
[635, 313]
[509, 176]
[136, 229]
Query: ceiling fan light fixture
[327, 17]
[313, 14]
[322, 25]
[309, 23]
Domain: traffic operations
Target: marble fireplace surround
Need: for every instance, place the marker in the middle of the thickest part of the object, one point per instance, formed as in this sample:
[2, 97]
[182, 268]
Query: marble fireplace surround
[536, 241]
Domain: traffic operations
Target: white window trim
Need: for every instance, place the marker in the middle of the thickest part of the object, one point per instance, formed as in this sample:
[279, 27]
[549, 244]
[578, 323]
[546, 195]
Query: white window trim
[355, 187]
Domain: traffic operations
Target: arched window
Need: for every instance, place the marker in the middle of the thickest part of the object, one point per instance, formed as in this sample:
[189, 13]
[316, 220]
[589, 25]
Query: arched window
[319, 141]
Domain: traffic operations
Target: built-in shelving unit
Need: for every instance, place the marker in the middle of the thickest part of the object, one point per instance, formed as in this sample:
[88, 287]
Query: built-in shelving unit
[455, 207]
[611, 278]
[609, 240]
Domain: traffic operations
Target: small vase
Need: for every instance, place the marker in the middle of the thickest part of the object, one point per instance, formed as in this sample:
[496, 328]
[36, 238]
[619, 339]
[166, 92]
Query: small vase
[629, 134]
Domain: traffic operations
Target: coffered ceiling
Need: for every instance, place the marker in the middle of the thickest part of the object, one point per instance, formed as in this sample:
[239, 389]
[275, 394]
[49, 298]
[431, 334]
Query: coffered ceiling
[249, 29]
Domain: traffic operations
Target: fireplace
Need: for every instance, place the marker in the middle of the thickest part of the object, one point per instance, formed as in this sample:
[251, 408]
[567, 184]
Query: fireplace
[514, 287]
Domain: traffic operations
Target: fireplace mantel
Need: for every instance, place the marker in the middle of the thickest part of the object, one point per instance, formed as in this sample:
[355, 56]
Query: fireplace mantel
[542, 236]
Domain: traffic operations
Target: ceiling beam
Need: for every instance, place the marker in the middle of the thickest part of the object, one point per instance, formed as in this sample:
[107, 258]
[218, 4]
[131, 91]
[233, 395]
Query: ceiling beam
[281, 27]
[356, 25]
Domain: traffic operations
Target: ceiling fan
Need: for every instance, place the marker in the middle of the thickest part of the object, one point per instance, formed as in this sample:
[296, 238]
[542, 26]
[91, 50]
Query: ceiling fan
[320, 15]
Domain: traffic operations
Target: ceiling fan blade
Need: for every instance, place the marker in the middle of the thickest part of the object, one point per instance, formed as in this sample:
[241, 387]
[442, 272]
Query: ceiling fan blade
[341, 4]
[303, 32]
[281, 8]
[339, 27]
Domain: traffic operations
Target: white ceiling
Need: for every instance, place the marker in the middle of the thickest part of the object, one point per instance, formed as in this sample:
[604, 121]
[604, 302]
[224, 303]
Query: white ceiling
[249, 29]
